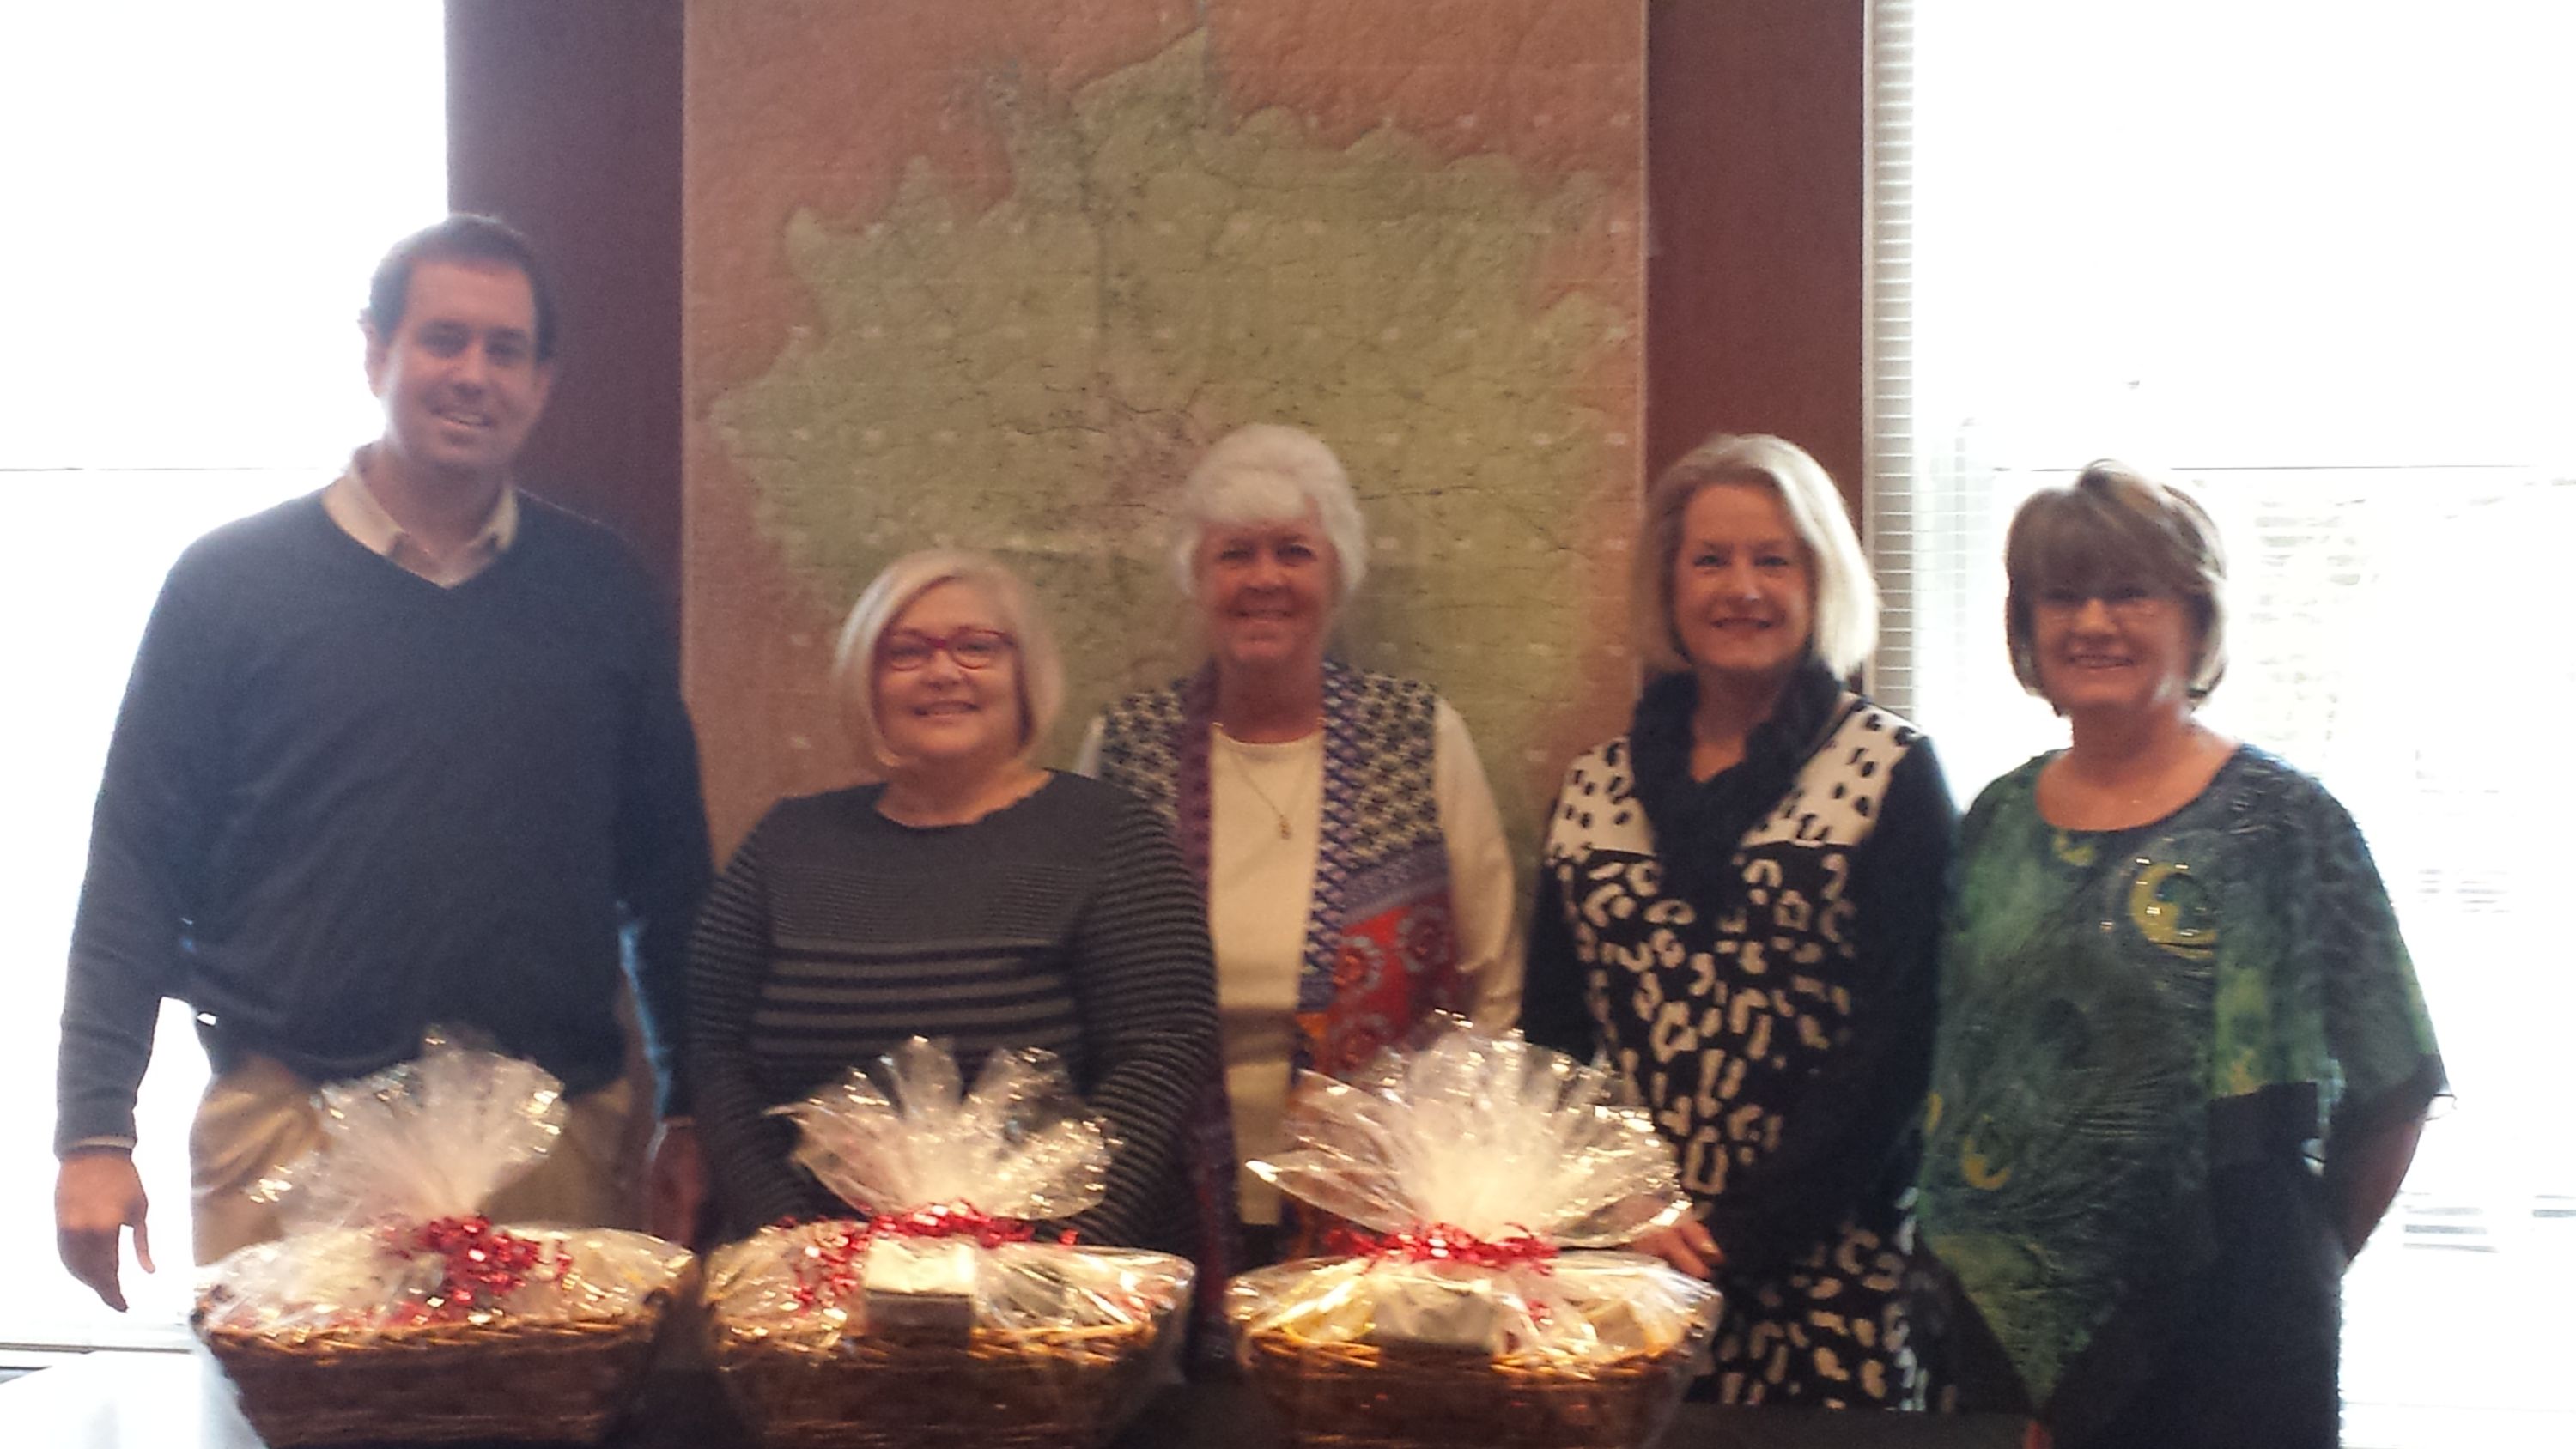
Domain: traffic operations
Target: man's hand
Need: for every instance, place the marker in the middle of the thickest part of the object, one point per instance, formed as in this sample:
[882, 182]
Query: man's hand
[675, 1183]
[98, 1195]
[1686, 1245]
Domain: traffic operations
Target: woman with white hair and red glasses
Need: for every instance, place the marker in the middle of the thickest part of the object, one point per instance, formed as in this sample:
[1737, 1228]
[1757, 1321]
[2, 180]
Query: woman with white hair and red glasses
[969, 896]
[1338, 820]
[1739, 901]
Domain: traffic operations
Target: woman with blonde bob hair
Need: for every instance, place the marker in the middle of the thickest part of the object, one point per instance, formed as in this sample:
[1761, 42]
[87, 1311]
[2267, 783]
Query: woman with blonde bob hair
[1038, 678]
[968, 897]
[1846, 595]
[2172, 980]
[1738, 902]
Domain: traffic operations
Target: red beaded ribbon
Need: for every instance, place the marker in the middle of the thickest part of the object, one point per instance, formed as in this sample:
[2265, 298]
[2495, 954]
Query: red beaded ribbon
[484, 1264]
[834, 1264]
[1443, 1243]
[831, 1266]
[952, 1220]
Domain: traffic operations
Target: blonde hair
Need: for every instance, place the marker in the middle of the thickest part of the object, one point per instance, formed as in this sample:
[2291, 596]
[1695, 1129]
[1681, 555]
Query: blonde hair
[853, 678]
[1846, 603]
[1270, 473]
[2115, 524]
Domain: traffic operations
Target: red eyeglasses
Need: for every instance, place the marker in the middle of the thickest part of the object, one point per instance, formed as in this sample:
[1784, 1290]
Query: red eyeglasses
[973, 648]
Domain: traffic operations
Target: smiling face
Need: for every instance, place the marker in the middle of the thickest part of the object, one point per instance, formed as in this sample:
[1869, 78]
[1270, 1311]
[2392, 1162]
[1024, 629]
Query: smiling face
[940, 714]
[459, 376]
[2114, 648]
[1265, 593]
[2115, 594]
[1744, 588]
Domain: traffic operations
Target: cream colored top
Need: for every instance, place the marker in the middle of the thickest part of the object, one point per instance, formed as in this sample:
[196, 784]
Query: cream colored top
[1259, 888]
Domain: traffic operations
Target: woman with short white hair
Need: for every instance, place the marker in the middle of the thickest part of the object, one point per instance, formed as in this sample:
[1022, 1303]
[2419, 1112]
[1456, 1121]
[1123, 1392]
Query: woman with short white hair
[1739, 901]
[969, 896]
[1338, 820]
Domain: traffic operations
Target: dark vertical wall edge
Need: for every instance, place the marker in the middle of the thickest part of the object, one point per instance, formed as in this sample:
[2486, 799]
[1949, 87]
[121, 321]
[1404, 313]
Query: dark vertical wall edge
[565, 118]
[1756, 191]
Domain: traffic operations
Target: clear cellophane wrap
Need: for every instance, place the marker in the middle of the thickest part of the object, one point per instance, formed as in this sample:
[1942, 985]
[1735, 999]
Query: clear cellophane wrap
[383, 1225]
[951, 1308]
[394, 1310]
[1481, 1174]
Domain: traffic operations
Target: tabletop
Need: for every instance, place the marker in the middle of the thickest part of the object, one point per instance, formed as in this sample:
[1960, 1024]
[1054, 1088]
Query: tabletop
[124, 1400]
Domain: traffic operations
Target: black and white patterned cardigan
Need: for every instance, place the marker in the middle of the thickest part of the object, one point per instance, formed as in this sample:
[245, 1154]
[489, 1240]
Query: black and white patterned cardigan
[1780, 1034]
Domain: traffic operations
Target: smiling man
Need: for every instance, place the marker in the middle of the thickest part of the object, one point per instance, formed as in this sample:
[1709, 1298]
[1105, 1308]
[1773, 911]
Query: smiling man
[402, 753]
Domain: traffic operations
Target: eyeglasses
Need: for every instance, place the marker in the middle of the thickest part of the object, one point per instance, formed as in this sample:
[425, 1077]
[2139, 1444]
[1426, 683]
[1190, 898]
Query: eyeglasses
[2125, 602]
[972, 648]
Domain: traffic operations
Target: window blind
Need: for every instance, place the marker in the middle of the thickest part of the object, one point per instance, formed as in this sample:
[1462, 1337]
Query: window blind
[199, 194]
[2309, 261]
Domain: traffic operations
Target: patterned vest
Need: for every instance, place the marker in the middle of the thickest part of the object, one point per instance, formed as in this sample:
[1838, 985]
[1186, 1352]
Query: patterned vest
[1381, 948]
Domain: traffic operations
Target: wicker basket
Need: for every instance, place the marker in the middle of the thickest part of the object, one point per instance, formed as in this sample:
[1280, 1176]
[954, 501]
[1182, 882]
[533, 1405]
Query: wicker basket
[440, 1382]
[1362, 1396]
[1057, 1388]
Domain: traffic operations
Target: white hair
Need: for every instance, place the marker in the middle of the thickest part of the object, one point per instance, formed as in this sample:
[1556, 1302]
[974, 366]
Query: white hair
[1267, 473]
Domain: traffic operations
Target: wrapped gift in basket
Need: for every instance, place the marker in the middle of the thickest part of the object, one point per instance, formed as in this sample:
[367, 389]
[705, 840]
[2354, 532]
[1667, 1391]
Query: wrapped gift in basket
[394, 1311]
[945, 1316]
[1475, 1170]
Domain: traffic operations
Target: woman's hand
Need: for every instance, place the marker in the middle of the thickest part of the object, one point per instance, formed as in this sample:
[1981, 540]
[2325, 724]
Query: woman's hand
[1686, 1245]
[675, 1183]
[2362, 1179]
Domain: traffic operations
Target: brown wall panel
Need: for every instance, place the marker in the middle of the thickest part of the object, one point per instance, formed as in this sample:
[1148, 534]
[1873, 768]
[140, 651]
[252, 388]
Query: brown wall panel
[1755, 166]
[564, 118]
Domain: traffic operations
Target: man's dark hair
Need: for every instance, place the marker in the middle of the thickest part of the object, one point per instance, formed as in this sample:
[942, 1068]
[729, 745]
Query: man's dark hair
[465, 238]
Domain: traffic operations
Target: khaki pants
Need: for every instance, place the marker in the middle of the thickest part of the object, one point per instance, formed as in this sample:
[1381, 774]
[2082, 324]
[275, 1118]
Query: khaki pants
[259, 1117]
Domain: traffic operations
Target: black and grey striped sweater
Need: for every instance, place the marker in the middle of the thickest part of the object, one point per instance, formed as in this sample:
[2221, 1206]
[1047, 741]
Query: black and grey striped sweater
[1065, 921]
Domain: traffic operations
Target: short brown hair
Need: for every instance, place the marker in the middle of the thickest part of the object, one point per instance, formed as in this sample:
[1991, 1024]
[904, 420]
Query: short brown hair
[2115, 524]
[464, 238]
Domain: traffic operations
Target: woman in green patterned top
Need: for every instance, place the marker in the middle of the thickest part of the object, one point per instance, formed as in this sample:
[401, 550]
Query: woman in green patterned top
[2182, 1060]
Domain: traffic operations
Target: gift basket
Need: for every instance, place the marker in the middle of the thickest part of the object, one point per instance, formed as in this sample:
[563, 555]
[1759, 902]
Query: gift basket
[1456, 1316]
[394, 1311]
[945, 1317]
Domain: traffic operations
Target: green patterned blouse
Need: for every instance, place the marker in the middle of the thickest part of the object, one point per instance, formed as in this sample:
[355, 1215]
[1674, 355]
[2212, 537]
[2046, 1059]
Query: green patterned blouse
[2124, 1011]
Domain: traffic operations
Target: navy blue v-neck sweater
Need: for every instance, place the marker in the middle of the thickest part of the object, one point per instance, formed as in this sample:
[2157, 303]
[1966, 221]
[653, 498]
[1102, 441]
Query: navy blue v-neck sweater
[343, 804]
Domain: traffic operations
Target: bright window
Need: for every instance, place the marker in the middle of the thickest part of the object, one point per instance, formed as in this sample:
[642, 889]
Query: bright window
[197, 195]
[2312, 258]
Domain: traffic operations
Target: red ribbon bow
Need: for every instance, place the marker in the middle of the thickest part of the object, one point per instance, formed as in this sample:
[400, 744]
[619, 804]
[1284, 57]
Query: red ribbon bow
[952, 1220]
[484, 1264]
[1444, 1243]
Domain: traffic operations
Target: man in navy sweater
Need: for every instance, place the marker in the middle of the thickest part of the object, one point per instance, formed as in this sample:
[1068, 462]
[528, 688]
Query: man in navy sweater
[405, 752]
